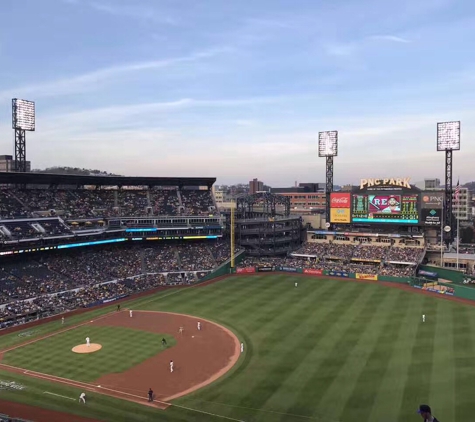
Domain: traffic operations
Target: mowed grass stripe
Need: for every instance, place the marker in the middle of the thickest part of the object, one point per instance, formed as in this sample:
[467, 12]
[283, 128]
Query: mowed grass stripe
[335, 350]
[296, 338]
[442, 389]
[382, 342]
[464, 352]
[419, 373]
[389, 395]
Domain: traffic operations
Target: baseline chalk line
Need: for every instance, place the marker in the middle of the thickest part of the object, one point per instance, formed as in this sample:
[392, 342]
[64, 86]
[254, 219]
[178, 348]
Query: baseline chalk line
[58, 395]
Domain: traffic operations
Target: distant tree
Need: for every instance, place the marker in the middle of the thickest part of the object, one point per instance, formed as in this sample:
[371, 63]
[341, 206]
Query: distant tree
[74, 171]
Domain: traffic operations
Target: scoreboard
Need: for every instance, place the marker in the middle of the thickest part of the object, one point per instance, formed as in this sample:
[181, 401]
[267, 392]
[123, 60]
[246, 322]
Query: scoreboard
[385, 207]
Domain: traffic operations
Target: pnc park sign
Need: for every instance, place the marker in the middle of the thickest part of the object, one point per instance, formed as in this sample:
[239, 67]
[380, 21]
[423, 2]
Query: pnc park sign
[399, 182]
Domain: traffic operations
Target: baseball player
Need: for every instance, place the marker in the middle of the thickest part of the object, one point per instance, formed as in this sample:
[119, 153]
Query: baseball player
[82, 398]
[296, 284]
[118, 308]
[88, 341]
[423, 318]
[164, 342]
[199, 326]
[62, 321]
[180, 331]
[171, 366]
[242, 347]
[150, 394]
[130, 313]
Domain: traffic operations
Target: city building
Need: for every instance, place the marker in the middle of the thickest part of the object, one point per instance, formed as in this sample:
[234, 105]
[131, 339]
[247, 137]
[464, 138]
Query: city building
[7, 164]
[305, 196]
[462, 209]
[255, 186]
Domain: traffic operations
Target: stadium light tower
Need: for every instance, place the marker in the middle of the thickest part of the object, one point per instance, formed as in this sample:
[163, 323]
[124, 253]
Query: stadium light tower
[328, 148]
[448, 140]
[23, 120]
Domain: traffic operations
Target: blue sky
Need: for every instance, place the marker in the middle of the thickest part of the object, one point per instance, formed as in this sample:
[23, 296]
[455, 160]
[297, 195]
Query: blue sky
[240, 89]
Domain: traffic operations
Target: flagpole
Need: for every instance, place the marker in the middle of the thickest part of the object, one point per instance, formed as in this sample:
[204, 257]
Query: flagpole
[458, 220]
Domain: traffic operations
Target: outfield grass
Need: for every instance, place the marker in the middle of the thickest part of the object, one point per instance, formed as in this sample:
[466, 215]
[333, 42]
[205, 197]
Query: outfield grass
[122, 348]
[326, 351]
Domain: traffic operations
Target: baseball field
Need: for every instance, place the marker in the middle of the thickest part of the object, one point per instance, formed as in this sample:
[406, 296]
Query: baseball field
[327, 350]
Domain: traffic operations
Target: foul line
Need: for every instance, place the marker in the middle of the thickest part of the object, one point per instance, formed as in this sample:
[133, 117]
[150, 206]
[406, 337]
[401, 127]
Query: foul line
[57, 395]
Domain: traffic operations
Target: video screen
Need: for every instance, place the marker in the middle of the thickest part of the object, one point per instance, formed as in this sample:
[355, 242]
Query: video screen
[385, 208]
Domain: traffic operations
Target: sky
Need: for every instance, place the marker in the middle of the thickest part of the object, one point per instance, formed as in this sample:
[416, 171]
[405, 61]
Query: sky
[239, 89]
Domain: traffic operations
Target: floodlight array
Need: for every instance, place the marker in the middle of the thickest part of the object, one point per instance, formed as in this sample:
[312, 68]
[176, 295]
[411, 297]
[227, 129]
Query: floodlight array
[448, 136]
[328, 143]
[23, 114]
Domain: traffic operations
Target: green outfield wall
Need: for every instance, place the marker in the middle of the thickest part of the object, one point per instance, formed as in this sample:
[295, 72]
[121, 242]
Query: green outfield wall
[445, 273]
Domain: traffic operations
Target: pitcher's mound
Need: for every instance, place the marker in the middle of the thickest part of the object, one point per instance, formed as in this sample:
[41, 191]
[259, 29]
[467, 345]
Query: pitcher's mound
[83, 348]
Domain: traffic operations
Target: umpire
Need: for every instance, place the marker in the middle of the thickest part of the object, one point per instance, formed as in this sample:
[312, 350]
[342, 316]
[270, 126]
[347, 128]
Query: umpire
[426, 413]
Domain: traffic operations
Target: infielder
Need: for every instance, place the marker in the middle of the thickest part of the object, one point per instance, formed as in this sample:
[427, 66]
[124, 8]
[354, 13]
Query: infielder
[171, 366]
[88, 342]
[199, 326]
[242, 347]
[180, 331]
[130, 313]
[423, 318]
[82, 398]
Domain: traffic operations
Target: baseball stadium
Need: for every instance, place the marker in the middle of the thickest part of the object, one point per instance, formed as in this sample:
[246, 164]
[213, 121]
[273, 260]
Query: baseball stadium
[137, 299]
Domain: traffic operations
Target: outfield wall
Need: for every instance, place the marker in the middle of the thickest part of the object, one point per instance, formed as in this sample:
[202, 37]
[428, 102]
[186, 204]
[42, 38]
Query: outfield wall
[445, 273]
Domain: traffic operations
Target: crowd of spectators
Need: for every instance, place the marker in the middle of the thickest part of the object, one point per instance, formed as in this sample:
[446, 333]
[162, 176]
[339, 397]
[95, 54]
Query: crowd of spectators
[346, 251]
[197, 202]
[98, 203]
[49, 280]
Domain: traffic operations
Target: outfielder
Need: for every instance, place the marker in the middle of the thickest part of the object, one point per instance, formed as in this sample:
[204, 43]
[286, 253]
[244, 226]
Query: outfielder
[82, 398]
[423, 318]
[130, 313]
[296, 284]
[199, 326]
[171, 366]
[88, 342]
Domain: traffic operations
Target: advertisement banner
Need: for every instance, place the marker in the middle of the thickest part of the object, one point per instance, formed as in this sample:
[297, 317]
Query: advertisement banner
[265, 269]
[340, 215]
[432, 200]
[366, 276]
[246, 270]
[338, 274]
[431, 217]
[340, 200]
[312, 271]
[428, 273]
[287, 269]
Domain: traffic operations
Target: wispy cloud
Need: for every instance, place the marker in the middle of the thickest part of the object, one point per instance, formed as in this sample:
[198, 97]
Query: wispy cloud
[80, 83]
[392, 38]
[133, 11]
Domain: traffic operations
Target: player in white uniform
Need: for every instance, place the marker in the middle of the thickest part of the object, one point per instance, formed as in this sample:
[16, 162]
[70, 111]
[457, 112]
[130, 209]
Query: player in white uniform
[130, 313]
[171, 366]
[62, 321]
[180, 331]
[88, 341]
[82, 398]
[199, 325]
[296, 284]
[242, 347]
[423, 318]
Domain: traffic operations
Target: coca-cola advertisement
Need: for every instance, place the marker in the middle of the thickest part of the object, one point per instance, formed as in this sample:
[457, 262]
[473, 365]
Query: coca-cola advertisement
[340, 200]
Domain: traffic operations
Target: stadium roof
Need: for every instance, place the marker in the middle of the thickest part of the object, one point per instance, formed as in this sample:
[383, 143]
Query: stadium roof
[66, 179]
[465, 256]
